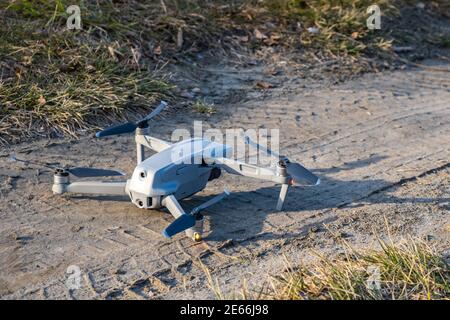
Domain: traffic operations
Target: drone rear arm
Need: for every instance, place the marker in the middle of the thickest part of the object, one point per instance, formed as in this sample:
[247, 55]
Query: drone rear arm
[240, 168]
[249, 170]
[143, 140]
[174, 207]
[153, 143]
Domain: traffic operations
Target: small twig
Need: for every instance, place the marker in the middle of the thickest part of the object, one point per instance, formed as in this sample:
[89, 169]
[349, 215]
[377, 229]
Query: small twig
[164, 7]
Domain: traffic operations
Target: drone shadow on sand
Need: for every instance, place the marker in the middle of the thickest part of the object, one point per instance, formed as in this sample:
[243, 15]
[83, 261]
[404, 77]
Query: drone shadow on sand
[230, 222]
[242, 215]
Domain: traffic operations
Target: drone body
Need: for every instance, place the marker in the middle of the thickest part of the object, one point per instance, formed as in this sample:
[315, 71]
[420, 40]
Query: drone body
[177, 171]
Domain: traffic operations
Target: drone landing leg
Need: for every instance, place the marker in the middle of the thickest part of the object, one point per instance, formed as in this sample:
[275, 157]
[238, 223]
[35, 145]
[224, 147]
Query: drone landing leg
[174, 207]
[152, 143]
[282, 196]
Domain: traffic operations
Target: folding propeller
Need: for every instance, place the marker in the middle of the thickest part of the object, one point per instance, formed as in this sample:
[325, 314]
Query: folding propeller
[183, 222]
[299, 174]
[187, 220]
[79, 172]
[131, 126]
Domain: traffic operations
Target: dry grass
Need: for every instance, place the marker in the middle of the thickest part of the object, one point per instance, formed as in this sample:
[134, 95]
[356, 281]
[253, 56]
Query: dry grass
[409, 270]
[55, 81]
[204, 107]
[340, 25]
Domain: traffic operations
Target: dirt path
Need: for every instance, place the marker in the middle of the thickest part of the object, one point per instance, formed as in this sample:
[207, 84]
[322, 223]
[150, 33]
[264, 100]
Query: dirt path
[379, 143]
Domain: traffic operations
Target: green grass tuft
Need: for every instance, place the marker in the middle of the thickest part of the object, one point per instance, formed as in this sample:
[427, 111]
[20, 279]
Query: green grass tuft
[410, 270]
[204, 107]
[55, 81]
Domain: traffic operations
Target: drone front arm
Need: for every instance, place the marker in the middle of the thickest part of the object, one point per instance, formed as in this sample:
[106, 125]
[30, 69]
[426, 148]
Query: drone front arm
[92, 187]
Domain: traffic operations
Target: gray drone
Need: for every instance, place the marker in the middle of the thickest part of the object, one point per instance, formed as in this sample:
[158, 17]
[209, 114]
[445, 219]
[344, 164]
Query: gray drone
[178, 171]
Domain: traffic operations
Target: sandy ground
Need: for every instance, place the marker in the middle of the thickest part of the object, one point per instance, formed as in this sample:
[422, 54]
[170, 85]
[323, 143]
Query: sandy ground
[380, 143]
